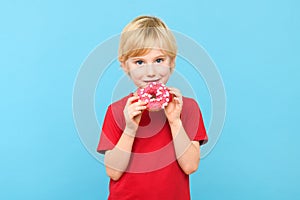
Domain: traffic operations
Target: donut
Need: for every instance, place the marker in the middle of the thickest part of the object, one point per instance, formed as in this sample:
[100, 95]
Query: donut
[156, 95]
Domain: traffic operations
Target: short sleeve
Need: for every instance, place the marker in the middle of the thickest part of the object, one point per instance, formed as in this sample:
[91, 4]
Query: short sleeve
[111, 132]
[192, 121]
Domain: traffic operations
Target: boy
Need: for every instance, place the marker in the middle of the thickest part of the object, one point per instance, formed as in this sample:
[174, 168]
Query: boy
[149, 155]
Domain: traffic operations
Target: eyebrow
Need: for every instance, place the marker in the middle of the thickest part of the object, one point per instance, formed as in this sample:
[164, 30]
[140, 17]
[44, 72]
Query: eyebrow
[160, 56]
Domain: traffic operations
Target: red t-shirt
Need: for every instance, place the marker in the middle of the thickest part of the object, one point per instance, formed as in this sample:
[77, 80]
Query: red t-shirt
[153, 172]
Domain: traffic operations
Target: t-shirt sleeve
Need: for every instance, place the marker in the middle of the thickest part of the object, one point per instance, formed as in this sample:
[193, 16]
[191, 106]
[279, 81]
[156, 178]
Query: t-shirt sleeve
[193, 122]
[111, 132]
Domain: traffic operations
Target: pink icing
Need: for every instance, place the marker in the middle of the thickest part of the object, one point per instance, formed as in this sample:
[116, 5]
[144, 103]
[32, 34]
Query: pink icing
[156, 95]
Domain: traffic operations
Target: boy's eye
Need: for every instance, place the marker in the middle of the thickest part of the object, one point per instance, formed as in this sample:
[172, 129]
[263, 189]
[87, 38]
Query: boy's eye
[139, 62]
[159, 60]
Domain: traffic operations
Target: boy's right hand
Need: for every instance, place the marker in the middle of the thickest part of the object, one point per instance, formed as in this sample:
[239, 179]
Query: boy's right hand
[133, 113]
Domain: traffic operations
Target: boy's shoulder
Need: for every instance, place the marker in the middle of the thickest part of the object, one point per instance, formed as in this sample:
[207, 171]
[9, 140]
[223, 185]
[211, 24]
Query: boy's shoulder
[189, 102]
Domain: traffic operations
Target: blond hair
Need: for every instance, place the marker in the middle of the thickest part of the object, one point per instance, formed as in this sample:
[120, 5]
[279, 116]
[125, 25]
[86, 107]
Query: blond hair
[143, 34]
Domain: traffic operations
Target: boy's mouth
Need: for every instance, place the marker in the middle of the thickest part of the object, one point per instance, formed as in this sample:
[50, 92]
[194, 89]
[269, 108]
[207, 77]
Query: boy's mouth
[148, 81]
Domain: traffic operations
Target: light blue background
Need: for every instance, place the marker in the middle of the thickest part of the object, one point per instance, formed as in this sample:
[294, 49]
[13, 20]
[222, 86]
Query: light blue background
[255, 45]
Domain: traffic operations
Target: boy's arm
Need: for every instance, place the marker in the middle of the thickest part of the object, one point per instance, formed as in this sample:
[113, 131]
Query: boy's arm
[117, 159]
[187, 151]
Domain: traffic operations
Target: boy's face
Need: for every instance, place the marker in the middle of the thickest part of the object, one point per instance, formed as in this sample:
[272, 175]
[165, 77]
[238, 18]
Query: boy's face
[155, 66]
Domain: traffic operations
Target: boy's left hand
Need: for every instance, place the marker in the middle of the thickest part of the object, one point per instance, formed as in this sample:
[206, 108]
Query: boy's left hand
[173, 109]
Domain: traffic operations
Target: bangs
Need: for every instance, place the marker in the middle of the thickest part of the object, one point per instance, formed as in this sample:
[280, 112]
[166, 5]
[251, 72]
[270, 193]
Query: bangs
[140, 41]
[138, 52]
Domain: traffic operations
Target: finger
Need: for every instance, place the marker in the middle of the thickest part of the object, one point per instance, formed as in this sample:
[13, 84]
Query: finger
[135, 113]
[176, 96]
[175, 92]
[174, 89]
[140, 108]
[139, 103]
[178, 100]
[130, 100]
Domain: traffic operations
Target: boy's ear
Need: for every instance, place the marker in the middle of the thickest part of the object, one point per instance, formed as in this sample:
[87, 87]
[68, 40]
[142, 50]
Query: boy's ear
[172, 64]
[124, 67]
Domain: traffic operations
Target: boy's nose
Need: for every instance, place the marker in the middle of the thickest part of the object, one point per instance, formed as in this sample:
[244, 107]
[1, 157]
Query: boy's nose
[150, 71]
